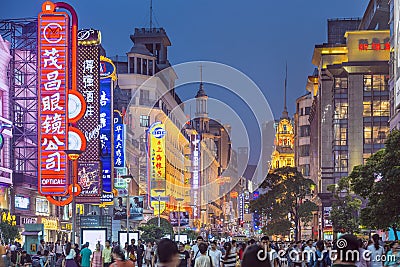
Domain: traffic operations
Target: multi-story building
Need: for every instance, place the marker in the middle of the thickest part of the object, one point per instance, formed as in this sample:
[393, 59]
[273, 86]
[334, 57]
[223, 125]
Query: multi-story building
[350, 110]
[5, 127]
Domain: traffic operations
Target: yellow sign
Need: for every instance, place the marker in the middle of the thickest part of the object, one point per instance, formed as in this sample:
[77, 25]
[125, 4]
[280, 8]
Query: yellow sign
[157, 165]
[8, 218]
[368, 45]
[66, 226]
[50, 224]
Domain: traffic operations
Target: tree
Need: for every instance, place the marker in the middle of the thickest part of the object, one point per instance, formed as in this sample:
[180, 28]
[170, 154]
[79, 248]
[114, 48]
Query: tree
[9, 232]
[150, 232]
[344, 213]
[165, 225]
[285, 196]
[376, 181]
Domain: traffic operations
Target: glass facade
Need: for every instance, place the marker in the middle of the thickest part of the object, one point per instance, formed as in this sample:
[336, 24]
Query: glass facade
[340, 125]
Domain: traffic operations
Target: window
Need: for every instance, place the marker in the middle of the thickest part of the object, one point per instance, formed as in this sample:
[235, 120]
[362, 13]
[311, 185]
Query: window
[341, 110]
[381, 108]
[340, 83]
[144, 121]
[288, 162]
[341, 161]
[307, 111]
[340, 134]
[367, 135]
[144, 97]
[304, 130]
[367, 109]
[304, 150]
[305, 169]
[375, 82]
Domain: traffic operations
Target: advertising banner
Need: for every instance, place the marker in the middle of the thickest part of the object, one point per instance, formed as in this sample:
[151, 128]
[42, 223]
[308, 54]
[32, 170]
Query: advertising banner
[119, 136]
[53, 31]
[183, 218]
[89, 179]
[135, 210]
[156, 139]
[196, 165]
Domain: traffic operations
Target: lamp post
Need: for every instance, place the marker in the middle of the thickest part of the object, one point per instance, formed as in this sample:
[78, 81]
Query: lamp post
[159, 191]
[128, 179]
[179, 218]
[73, 156]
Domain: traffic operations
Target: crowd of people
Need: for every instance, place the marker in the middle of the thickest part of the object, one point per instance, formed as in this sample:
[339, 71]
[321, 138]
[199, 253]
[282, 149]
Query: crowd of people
[347, 251]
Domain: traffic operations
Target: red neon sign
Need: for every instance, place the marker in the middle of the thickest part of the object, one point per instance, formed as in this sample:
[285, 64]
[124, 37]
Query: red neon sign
[53, 103]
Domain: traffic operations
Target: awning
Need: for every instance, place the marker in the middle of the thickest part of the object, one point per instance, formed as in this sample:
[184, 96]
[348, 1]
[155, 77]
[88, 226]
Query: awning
[31, 233]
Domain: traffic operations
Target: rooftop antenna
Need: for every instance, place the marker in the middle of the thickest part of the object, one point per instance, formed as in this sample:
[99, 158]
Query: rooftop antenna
[151, 14]
[201, 74]
[285, 113]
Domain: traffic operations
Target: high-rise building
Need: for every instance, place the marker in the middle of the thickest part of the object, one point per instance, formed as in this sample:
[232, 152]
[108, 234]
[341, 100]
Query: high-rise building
[350, 110]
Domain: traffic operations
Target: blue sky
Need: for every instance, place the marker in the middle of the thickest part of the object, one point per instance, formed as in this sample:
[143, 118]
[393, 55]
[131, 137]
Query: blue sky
[256, 37]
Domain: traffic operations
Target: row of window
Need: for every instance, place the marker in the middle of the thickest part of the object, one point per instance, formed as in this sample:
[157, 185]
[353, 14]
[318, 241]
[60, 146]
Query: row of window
[376, 108]
[377, 82]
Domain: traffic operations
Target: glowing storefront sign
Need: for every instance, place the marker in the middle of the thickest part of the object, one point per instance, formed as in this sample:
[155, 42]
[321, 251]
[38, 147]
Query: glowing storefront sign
[119, 137]
[105, 134]
[52, 96]
[157, 165]
[195, 151]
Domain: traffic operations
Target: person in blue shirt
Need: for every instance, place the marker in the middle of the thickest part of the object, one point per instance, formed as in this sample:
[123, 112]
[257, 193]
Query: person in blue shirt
[392, 256]
[321, 257]
[85, 253]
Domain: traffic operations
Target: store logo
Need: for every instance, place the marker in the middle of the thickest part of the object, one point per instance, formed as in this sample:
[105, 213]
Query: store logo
[159, 132]
[52, 33]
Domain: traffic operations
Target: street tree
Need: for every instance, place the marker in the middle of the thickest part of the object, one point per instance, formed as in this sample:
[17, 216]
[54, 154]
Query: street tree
[286, 190]
[376, 181]
[344, 214]
[8, 232]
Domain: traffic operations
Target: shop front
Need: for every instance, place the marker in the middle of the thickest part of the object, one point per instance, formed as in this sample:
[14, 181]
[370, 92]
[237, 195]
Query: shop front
[50, 226]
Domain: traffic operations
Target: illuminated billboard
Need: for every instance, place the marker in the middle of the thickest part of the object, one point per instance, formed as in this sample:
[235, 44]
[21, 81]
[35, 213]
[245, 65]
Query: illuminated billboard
[119, 136]
[107, 73]
[89, 179]
[195, 157]
[157, 179]
[53, 29]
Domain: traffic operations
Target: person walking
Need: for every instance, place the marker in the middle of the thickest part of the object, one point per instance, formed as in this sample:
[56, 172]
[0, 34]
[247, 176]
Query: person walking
[230, 258]
[148, 254]
[184, 256]
[70, 255]
[120, 260]
[107, 254]
[97, 257]
[85, 254]
[215, 254]
[167, 253]
[376, 252]
[140, 253]
[203, 260]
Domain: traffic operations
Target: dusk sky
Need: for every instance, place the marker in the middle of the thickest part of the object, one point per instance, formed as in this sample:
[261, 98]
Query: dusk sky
[255, 37]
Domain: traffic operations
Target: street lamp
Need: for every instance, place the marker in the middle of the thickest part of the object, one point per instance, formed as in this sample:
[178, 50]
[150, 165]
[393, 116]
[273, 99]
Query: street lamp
[73, 156]
[179, 218]
[128, 179]
[159, 191]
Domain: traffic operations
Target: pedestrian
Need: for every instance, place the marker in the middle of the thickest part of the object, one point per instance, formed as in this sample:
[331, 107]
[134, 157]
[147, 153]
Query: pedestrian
[273, 255]
[97, 257]
[140, 253]
[195, 250]
[321, 258]
[58, 249]
[148, 254]
[78, 257]
[85, 254]
[215, 254]
[230, 258]
[70, 255]
[203, 260]
[119, 256]
[362, 261]
[184, 256]
[392, 257]
[7, 259]
[255, 256]
[107, 254]
[25, 259]
[167, 253]
[345, 247]
[41, 246]
[376, 252]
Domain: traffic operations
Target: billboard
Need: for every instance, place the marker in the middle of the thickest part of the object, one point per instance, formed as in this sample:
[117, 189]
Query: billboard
[135, 210]
[53, 31]
[119, 137]
[157, 179]
[195, 157]
[93, 236]
[183, 218]
[88, 85]
[89, 178]
[105, 129]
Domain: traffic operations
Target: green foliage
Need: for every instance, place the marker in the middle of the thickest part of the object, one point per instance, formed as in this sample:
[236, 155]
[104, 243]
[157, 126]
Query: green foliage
[150, 232]
[9, 232]
[286, 188]
[190, 233]
[165, 225]
[377, 181]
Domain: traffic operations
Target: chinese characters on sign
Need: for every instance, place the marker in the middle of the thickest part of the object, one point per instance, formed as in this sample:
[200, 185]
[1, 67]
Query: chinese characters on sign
[195, 151]
[52, 97]
[376, 44]
[105, 136]
[157, 164]
[119, 136]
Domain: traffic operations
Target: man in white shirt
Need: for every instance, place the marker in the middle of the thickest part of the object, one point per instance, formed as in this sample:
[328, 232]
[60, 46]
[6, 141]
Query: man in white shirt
[195, 253]
[308, 253]
[215, 254]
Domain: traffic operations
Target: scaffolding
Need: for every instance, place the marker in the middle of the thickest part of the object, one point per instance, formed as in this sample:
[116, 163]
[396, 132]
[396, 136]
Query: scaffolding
[22, 77]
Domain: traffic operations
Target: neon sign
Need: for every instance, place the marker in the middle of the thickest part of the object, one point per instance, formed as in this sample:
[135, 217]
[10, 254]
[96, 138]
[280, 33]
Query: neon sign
[52, 97]
[376, 44]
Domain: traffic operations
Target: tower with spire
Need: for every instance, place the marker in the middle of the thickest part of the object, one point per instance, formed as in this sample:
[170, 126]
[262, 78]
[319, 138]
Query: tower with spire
[201, 116]
[283, 154]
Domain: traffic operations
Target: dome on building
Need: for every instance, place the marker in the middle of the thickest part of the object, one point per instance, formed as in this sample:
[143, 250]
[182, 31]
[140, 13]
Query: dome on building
[201, 92]
[139, 48]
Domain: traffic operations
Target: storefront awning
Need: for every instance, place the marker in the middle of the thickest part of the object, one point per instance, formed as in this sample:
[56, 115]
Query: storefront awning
[31, 233]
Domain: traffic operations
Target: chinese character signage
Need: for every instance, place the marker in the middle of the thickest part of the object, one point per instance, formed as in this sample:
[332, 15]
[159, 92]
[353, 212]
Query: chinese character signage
[53, 29]
[89, 179]
[195, 156]
[241, 207]
[105, 132]
[367, 46]
[119, 136]
[376, 44]
[156, 138]
[88, 85]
